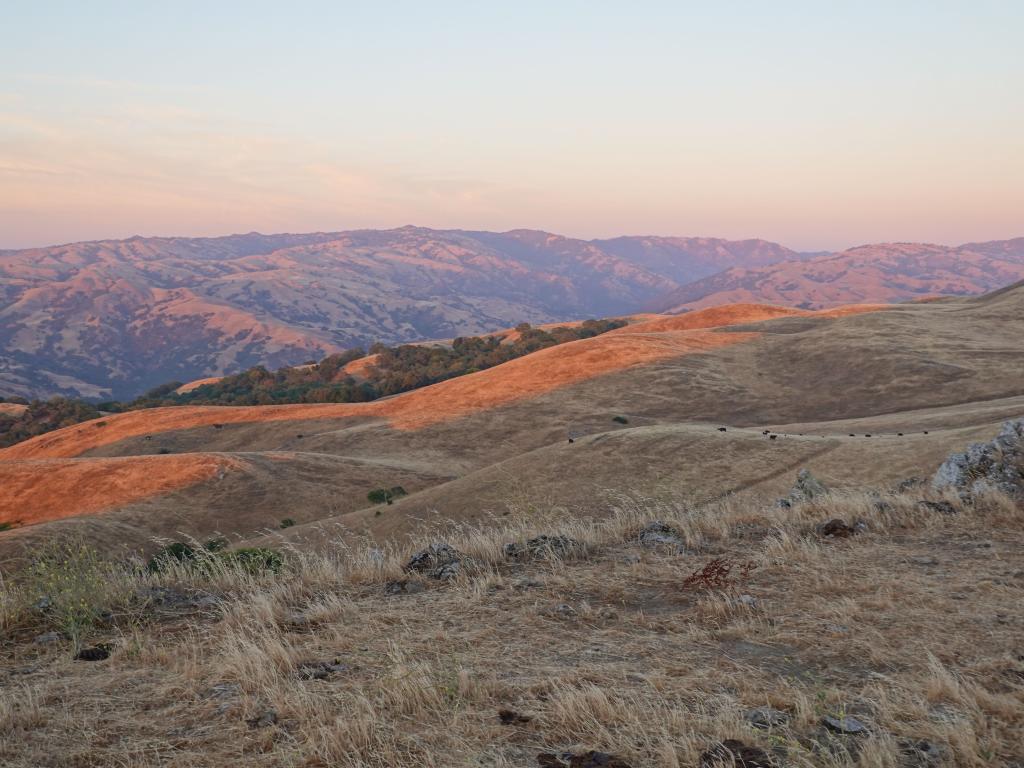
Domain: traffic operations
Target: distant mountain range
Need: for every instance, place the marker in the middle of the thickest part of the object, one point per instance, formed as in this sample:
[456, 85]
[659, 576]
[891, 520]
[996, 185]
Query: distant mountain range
[112, 318]
[889, 272]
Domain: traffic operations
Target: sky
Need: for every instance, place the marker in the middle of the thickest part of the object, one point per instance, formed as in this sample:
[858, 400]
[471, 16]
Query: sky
[818, 125]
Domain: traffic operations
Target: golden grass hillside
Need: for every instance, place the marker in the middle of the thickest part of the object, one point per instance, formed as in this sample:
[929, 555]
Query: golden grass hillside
[606, 640]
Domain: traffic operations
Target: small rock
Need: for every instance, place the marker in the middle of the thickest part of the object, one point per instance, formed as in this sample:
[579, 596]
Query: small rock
[404, 587]
[848, 725]
[766, 717]
[438, 561]
[837, 529]
[658, 533]
[319, 670]
[807, 487]
[589, 759]
[837, 629]
[524, 584]
[942, 507]
[542, 547]
[563, 609]
[222, 691]
[48, 638]
[265, 719]
[95, 653]
[909, 484]
[748, 600]
[927, 560]
[732, 752]
[42, 604]
[921, 753]
[511, 717]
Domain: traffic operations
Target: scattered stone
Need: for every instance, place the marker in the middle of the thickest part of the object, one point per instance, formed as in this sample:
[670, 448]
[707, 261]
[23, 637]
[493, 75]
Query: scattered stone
[564, 610]
[909, 483]
[807, 487]
[42, 604]
[766, 717]
[921, 753]
[48, 638]
[941, 507]
[926, 560]
[748, 600]
[524, 584]
[589, 759]
[265, 719]
[658, 533]
[438, 561]
[511, 717]
[837, 629]
[847, 725]
[733, 752]
[176, 599]
[95, 653]
[836, 529]
[319, 670]
[404, 587]
[542, 547]
[631, 559]
[995, 465]
[222, 691]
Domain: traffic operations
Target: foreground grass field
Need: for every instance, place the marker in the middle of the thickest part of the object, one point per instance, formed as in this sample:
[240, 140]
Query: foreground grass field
[617, 638]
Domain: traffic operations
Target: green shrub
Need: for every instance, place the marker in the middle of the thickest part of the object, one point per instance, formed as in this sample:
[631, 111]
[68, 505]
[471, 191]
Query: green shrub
[620, 419]
[386, 495]
[214, 554]
[287, 523]
[254, 560]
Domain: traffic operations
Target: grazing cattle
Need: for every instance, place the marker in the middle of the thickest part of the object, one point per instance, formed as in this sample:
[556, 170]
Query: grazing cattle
[722, 429]
[766, 432]
[852, 435]
[899, 434]
[772, 437]
[926, 431]
[867, 435]
[571, 440]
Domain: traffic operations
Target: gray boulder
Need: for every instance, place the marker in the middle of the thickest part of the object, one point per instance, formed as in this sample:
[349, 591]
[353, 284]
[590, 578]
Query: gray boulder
[439, 561]
[807, 487]
[995, 465]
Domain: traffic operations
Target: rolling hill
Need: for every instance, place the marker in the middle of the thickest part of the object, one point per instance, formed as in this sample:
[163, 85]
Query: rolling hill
[584, 497]
[110, 319]
[470, 445]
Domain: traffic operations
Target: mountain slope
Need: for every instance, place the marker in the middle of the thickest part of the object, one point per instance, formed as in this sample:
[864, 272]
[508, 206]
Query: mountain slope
[920, 378]
[872, 273]
[113, 318]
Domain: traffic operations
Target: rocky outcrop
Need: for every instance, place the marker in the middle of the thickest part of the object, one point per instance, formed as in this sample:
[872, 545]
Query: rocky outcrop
[996, 465]
[807, 487]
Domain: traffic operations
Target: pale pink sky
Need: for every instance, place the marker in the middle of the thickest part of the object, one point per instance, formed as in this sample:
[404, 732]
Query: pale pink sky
[815, 127]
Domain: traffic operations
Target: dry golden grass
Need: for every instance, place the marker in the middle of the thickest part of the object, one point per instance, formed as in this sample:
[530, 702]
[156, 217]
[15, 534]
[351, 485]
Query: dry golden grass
[912, 626]
[50, 489]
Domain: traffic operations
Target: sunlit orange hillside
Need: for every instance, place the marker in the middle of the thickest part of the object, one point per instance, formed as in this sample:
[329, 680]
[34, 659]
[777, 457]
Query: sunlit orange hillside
[50, 489]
